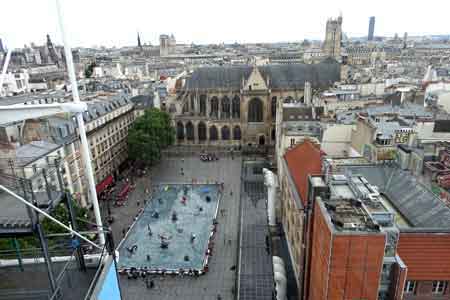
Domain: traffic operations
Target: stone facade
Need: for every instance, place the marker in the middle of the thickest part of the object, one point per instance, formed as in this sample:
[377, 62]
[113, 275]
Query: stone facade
[237, 105]
[333, 39]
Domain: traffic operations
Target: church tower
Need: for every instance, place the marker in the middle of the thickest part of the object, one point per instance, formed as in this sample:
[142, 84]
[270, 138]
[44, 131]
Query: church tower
[52, 51]
[333, 39]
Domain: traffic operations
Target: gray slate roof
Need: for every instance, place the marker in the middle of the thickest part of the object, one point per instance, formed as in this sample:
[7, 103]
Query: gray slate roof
[289, 76]
[34, 150]
[413, 200]
[98, 108]
[143, 101]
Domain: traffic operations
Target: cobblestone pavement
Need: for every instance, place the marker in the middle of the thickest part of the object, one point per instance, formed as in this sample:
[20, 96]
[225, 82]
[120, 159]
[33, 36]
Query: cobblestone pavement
[221, 276]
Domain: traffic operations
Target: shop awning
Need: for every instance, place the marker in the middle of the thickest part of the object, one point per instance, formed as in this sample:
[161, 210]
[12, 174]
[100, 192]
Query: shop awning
[104, 184]
[124, 191]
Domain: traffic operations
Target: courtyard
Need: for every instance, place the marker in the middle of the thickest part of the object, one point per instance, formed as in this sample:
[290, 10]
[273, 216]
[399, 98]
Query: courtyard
[221, 277]
[174, 230]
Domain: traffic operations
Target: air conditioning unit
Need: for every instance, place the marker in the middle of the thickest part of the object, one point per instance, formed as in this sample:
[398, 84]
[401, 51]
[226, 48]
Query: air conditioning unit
[350, 225]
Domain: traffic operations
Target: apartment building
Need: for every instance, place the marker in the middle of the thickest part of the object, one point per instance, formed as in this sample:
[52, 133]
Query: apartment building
[108, 118]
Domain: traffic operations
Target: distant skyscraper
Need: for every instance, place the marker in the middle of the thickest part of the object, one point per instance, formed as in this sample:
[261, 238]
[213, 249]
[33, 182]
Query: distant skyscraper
[333, 38]
[139, 41]
[371, 28]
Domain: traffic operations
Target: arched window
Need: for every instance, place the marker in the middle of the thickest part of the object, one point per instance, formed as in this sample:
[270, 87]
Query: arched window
[225, 113]
[255, 110]
[202, 105]
[273, 106]
[262, 140]
[190, 131]
[237, 133]
[185, 107]
[201, 131]
[180, 131]
[225, 133]
[214, 107]
[272, 135]
[236, 107]
[213, 134]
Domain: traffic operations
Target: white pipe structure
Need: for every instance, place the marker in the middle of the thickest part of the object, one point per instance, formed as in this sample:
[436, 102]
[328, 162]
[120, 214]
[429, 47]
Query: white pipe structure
[279, 272]
[50, 217]
[278, 260]
[5, 67]
[17, 112]
[91, 260]
[84, 143]
[270, 180]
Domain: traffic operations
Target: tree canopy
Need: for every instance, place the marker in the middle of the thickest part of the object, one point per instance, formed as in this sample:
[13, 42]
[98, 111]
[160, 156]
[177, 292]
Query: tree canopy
[89, 70]
[149, 134]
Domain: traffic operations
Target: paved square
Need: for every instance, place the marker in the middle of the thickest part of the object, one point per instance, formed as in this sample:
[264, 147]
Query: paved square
[221, 278]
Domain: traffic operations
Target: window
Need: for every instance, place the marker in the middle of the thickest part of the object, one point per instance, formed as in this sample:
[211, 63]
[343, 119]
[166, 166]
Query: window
[410, 286]
[439, 287]
[34, 168]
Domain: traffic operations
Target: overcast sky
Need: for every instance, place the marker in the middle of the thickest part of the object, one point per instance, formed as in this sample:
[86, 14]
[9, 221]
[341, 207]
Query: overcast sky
[115, 22]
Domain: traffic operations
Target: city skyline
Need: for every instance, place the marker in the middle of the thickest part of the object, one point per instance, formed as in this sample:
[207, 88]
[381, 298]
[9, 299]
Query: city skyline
[116, 25]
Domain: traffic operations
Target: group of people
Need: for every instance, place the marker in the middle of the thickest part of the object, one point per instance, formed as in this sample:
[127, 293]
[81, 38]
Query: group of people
[135, 273]
[208, 157]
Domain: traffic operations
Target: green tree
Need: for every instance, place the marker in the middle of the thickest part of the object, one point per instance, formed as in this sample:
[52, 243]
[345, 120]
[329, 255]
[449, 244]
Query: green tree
[61, 213]
[149, 134]
[89, 70]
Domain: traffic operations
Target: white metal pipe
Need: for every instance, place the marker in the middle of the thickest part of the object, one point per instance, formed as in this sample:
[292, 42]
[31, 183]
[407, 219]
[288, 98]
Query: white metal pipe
[48, 216]
[277, 260]
[90, 260]
[280, 285]
[271, 182]
[84, 142]
[18, 112]
[5, 68]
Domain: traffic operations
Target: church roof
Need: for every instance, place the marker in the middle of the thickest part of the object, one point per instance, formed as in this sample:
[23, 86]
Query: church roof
[228, 77]
[289, 76]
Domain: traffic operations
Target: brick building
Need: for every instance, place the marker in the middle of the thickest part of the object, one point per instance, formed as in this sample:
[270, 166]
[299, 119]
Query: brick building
[299, 161]
[416, 263]
[362, 230]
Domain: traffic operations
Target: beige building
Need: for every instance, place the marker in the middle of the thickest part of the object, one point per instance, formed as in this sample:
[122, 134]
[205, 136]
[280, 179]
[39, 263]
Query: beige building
[237, 105]
[108, 118]
[107, 122]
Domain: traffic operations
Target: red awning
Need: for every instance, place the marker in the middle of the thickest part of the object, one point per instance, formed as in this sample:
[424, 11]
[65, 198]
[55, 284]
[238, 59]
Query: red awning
[104, 184]
[124, 191]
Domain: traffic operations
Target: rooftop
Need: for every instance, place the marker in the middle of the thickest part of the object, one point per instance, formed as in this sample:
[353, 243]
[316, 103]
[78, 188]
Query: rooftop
[418, 205]
[28, 153]
[355, 205]
[281, 76]
[303, 160]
